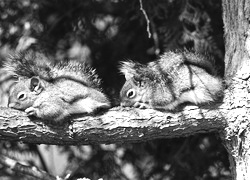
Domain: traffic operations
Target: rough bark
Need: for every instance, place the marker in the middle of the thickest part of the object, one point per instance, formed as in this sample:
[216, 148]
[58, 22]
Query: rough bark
[236, 16]
[115, 126]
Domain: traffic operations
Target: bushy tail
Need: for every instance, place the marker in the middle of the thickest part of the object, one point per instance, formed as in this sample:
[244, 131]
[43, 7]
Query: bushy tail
[30, 63]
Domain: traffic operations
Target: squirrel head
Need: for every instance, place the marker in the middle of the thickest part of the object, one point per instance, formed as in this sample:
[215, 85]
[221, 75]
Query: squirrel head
[133, 91]
[135, 88]
[144, 85]
[25, 92]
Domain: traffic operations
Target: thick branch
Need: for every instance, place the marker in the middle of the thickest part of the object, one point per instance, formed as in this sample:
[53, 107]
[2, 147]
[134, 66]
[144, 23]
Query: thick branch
[116, 125]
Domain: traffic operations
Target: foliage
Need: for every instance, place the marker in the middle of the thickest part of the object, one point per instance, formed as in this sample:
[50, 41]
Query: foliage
[104, 33]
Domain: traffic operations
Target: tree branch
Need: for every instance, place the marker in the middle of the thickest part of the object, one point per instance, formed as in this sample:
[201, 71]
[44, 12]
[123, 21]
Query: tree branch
[24, 169]
[115, 126]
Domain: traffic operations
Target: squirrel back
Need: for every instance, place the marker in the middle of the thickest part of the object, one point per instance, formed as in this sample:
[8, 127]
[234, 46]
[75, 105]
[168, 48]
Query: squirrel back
[171, 60]
[175, 78]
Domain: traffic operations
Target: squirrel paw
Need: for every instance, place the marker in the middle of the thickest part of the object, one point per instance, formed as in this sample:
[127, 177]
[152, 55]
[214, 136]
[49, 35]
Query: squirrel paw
[172, 106]
[30, 111]
[142, 105]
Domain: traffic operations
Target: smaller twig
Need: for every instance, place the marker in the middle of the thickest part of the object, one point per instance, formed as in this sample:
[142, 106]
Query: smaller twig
[155, 38]
[24, 169]
[147, 19]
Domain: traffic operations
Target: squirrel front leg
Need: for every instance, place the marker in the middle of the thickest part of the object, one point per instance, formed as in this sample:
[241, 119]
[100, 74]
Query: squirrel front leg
[50, 109]
[48, 113]
[31, 111]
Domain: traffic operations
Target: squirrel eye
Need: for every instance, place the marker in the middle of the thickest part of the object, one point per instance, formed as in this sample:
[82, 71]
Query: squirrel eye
[21, 96]
[130, 93]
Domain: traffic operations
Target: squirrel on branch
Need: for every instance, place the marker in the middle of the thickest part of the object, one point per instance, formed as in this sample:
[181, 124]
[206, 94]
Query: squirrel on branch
[53, 90]
[173, 79]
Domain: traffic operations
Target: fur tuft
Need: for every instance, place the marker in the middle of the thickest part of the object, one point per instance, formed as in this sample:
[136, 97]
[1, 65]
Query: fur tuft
[127, 68]
[76, 71]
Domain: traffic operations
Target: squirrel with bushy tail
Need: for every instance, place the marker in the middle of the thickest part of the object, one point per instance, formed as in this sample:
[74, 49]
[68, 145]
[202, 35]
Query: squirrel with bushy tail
[177, 77]
[53, 90]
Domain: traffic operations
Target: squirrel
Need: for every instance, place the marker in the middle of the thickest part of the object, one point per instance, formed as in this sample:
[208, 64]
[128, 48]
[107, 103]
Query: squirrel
[53, 90]
[173, 79]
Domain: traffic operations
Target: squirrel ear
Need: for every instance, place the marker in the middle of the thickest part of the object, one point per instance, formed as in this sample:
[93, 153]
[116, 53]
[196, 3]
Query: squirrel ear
[36, 85]
[139, 81]
[136, 80]
[127, 69]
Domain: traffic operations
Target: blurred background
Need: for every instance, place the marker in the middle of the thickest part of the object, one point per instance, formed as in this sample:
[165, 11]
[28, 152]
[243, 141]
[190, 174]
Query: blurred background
[103, 33]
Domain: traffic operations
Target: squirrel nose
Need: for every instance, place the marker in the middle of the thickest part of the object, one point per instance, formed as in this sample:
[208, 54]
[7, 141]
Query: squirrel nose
[11, 105]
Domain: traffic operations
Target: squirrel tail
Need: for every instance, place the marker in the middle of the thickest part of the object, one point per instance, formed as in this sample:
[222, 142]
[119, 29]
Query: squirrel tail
[27, 64]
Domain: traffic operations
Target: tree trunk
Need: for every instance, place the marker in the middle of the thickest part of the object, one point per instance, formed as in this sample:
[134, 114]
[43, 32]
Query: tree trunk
[236, 16]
